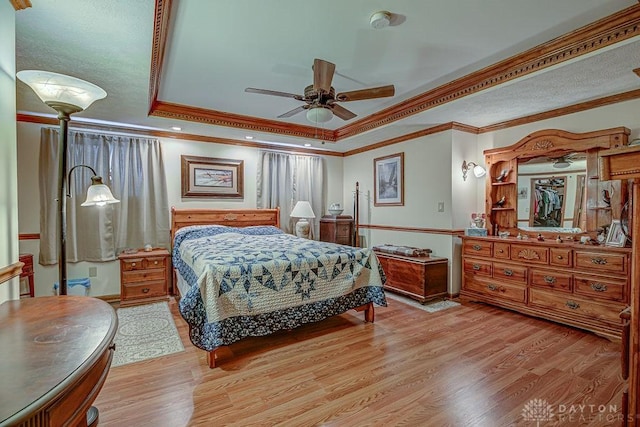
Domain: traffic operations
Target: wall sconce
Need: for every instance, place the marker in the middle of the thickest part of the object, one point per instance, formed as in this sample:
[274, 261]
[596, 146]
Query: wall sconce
[478, 170]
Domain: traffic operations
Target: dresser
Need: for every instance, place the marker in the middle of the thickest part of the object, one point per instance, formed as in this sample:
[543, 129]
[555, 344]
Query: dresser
[579, 285]
[27, 286]
[337, 229]
[421, 278]
[144, 276]
[58, 351]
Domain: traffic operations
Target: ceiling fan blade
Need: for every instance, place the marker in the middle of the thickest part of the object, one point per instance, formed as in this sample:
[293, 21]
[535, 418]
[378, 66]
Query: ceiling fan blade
[322, 75]
[342, 112]
[273, 92]
[293, 112]
[374, 92]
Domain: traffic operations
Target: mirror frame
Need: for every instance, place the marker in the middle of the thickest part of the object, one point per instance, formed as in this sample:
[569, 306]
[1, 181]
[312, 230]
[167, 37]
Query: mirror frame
[501, 195]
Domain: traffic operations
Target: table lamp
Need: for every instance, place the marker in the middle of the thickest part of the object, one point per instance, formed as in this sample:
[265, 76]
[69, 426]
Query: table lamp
[303, 211]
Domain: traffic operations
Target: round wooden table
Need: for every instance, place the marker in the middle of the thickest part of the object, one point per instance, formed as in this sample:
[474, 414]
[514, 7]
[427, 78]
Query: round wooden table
[56, 353]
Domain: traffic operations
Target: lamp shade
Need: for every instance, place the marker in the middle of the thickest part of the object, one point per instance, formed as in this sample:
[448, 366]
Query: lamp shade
[99, 194]
[479, 171]
[560, 164]
[319, 114]
[302, 209]
[58, 88]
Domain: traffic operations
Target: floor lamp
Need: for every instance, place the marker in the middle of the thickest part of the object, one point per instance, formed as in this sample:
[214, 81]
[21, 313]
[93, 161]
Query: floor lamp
[67, 95]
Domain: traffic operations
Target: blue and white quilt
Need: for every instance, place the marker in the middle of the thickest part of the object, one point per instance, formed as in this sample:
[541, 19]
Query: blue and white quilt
[254, 281]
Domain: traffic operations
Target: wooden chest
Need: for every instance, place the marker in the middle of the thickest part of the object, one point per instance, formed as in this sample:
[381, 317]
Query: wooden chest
[420, 278]
[144, 276]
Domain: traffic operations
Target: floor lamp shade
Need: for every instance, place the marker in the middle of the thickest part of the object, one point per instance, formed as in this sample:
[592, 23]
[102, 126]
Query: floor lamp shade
[60, 89]
[303, 211]
[98, 194]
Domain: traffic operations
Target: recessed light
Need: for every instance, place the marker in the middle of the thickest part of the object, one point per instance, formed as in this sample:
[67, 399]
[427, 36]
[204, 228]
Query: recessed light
[307, 145]
[176, 128]
[248, 137]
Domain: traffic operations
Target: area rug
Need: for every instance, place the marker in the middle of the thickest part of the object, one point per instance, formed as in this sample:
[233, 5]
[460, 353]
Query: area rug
[430, 307]
[144, 332]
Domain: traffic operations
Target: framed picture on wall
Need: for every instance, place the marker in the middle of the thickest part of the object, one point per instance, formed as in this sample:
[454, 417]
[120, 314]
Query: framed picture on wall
[211, 177]
[388, 180]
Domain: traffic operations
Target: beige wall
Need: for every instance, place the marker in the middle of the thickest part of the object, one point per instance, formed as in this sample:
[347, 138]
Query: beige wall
[8, 163]
[107, 281]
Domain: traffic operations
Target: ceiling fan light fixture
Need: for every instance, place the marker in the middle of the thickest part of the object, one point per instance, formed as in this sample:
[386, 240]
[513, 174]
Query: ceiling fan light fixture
[319, 114]
[380, 19]
[560, 164]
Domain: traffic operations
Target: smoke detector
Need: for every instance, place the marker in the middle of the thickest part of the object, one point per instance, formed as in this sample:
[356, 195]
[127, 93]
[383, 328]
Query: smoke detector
[380, 19]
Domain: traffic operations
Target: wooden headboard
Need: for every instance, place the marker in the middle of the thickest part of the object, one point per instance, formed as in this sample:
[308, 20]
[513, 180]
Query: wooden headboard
[229, 217]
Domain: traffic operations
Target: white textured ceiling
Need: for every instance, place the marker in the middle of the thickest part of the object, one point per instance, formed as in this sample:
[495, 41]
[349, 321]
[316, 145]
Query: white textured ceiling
[218, 48]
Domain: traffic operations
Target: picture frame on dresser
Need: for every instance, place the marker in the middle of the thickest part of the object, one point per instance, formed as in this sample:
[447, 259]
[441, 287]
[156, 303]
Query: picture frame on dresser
[615, 235]
[388, 180]
[208, 177]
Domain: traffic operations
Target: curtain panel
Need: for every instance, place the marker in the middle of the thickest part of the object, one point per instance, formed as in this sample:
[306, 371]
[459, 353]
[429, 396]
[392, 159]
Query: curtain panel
[133, 169]
[284, 179]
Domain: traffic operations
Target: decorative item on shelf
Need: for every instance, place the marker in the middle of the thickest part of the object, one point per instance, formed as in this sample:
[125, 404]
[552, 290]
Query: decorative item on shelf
[615, 235]
[303, 211]
[335, 209]
[606, 198]
[478, 171]
[148, 248]
[503, 175]
[503, 234]
[540, 238]
[500, 203]
[558, 239]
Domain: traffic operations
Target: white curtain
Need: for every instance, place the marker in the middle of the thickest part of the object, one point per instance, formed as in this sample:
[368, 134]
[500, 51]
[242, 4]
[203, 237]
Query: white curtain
[133, 169]
[284, 179]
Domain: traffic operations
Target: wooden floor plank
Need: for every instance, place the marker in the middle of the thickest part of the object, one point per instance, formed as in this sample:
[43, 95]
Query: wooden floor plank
[472, 365]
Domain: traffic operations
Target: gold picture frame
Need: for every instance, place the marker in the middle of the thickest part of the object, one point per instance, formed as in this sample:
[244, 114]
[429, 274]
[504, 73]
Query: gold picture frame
[388, 180]
[210, 177]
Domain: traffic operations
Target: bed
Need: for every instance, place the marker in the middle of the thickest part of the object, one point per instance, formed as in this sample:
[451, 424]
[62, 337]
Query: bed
[239, 275]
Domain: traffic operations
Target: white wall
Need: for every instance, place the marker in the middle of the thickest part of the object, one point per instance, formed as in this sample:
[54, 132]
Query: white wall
[107, 281]
[8, 163]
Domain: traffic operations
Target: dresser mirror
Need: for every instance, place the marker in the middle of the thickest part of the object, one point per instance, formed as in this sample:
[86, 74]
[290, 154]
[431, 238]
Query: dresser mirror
[551, 193]
[566, 166]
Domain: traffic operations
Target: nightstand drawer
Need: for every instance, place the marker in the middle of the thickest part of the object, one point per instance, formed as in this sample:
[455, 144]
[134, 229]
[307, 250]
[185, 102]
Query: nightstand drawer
[155, 262]
[144, 290]
[130, 264]
[142, 276]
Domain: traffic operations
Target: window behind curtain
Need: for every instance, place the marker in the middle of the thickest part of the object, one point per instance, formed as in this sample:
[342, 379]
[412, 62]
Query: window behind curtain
[284, 179]
[133, 169]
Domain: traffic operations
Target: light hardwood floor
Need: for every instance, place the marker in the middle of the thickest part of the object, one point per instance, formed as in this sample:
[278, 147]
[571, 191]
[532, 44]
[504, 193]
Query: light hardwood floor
[472, 365]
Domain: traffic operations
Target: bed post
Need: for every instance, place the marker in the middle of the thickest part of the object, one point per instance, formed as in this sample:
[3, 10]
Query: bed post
[356, 214]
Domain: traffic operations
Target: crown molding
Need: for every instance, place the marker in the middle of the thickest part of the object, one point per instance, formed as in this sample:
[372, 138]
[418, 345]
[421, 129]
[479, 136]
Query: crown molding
[610, 30]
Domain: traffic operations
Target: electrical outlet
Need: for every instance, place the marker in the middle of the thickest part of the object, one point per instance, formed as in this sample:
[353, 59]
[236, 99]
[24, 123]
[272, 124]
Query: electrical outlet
[440, 206]
[93, 271]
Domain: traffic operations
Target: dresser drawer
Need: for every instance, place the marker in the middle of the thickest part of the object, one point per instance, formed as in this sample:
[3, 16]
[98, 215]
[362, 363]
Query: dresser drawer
[142, 276]
[560, 257]
[575, 306]
[501, 250]
[495, 289]
[144, 290]
[596, 261]
[600, 288]
[477, 248]
[530, 254]
[480, 267]
[130, 264]
[155, 262]
[551, 279]
[517, 273]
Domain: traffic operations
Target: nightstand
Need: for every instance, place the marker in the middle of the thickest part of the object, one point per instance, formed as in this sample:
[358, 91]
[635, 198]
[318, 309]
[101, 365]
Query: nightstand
[337, 229]
[144, 276]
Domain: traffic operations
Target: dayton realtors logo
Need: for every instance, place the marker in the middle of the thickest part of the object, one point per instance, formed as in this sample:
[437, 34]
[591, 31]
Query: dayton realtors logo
[540, 412]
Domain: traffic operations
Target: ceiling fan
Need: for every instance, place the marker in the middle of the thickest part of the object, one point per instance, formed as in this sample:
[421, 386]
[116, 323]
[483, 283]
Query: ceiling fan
[320, 97]
[563, 161]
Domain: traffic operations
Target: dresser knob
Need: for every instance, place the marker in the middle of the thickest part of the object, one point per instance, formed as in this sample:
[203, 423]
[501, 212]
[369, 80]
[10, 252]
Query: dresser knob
[550, 279]
[156, 262]
[599, 287]
[145, 290]
[133, 264]
[501, 251]
[560, 257]
[476, 267]
[599, 261]
[477, 247]
[508, 272]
